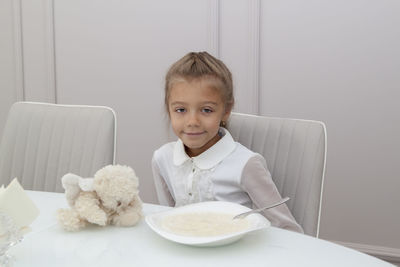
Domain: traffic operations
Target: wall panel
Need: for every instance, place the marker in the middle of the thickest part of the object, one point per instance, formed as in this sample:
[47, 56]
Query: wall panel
[11, 70]
[38, 50]
[239, 37]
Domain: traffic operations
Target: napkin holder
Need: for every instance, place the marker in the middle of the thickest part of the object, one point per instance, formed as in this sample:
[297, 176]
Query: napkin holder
[16, 203]
[17, 212]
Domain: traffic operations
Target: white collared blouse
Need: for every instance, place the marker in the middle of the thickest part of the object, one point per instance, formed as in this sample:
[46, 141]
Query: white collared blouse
[227, 171]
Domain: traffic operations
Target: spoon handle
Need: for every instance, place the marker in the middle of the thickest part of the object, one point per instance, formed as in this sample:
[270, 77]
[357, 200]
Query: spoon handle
[244, 214]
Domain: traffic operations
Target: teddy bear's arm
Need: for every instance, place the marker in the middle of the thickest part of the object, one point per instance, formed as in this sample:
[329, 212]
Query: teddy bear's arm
[88, 207]
[130, 215]
[70, 220]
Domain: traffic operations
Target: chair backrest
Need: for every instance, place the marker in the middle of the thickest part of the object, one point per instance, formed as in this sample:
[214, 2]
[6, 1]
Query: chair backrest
[41, 142]
[295, 152]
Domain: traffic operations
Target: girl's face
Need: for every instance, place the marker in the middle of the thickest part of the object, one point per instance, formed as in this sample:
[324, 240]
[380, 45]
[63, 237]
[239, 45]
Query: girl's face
[196, 110]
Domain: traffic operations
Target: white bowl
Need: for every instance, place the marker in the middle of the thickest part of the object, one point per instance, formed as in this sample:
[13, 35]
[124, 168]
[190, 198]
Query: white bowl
[255, 222]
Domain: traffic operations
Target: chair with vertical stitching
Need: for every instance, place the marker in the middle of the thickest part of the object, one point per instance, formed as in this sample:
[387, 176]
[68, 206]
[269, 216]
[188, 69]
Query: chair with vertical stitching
[41, 142]
[295, 152]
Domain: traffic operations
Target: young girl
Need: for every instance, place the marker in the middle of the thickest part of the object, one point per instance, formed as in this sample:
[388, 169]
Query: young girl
[206, 163]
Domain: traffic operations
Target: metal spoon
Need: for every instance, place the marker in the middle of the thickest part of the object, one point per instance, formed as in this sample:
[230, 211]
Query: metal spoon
[244, 214]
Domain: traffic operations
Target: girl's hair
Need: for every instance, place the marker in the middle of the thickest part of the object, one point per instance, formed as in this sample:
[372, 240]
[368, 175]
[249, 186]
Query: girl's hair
[201, 65]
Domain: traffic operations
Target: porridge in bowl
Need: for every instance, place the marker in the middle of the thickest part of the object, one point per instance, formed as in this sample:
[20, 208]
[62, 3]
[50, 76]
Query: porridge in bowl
[203, 224]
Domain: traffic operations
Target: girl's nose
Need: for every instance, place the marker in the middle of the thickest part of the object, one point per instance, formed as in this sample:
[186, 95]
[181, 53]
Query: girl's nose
[192, 119]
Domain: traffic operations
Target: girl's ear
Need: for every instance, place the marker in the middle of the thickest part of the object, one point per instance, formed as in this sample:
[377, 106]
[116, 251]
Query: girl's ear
[228, 110]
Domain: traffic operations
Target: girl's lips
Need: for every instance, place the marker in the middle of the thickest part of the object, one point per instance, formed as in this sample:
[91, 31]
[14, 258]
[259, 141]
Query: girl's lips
[194, 133]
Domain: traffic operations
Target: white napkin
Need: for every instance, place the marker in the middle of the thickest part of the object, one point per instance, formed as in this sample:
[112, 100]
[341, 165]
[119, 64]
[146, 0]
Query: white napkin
[15, 203]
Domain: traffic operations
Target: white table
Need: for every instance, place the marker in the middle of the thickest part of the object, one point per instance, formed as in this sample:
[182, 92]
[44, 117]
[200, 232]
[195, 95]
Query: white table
[49, 245]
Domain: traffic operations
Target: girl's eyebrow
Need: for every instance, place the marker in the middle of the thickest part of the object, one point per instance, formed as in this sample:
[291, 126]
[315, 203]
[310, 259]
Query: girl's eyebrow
[203, 103]
[177, 103]
[210, 103]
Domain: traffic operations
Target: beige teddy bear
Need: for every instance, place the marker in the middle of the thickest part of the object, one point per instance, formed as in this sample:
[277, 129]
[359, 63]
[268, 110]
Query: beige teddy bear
[111, 197]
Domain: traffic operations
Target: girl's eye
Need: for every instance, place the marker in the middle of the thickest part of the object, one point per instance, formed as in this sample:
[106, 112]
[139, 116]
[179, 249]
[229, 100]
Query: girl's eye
[207, 110]
[180, 110]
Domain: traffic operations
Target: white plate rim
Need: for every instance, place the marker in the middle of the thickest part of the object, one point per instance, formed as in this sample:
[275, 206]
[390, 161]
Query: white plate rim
[257, 222]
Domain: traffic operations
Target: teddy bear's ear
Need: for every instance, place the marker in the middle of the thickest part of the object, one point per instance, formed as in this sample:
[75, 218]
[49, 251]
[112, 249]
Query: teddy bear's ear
[70, 179]
[70, 184]
[86, 184]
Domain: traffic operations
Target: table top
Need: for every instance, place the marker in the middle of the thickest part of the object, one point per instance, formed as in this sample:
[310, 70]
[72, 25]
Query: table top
[49, 245]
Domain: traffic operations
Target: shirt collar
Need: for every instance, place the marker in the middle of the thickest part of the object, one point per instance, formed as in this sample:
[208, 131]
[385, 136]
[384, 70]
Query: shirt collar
[209, 158]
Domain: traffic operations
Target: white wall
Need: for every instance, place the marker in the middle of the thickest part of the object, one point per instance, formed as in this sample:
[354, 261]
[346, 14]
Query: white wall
[339, 61]
[335, 61]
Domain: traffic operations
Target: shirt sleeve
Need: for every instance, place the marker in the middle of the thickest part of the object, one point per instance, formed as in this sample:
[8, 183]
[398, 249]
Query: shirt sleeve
[163, 194]
[257, 182]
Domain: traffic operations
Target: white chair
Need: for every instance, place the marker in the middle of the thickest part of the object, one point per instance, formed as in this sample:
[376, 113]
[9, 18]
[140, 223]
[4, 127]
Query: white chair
[41, 142]
[295, 151]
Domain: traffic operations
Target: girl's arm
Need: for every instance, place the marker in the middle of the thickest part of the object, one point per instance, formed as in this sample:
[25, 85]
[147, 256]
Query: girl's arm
[163, 194]
[257, 182]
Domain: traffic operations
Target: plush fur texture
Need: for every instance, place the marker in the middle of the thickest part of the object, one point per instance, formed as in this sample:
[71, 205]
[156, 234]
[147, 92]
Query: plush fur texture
[112, 197]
